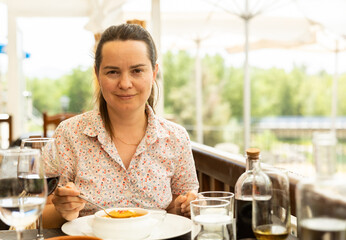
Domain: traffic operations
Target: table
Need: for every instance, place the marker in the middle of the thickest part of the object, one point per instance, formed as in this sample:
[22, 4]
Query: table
[48, 233]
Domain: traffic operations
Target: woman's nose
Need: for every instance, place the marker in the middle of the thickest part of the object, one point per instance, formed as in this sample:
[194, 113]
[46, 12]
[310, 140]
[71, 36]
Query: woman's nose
[125, 81]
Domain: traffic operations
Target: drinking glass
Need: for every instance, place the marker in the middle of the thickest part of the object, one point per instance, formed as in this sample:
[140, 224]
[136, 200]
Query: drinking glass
[50, 159]
[211, 219]
[224, 196]
[271, 215]
[321, 200]
[23, 189]
[220, 195]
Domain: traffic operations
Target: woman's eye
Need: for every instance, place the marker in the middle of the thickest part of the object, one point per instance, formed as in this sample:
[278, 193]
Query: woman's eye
[137, 70]
[112, 72]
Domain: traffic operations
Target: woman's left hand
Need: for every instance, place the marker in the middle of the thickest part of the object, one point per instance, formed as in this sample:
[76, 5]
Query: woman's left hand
[182, 203]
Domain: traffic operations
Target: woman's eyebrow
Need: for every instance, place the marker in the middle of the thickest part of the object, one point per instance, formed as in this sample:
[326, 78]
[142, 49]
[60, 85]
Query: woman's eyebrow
[111, 67]
[138, 65]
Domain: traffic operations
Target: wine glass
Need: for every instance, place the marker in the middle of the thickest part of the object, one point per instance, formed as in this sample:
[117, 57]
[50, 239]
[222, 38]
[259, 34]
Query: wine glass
[52, 168]
[23, 189]
[271, 215]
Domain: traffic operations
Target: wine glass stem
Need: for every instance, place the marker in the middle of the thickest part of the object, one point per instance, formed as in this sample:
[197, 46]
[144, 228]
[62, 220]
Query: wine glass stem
[39, 228]
[19, 235]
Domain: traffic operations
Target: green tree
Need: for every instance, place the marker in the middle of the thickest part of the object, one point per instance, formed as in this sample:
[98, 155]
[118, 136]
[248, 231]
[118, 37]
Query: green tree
[77, 85]
[45, 94]
[79, 88]
[232, 91]
[216, 112]
[180, 93]
[341, 95]
[315, 95]
[178, 74]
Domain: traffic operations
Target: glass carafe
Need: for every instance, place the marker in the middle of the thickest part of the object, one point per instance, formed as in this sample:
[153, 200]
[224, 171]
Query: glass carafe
[321, 200]
[243, 195]
[271, 215]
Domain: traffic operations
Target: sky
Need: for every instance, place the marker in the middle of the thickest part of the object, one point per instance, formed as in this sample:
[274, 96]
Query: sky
[64, 45]
[57, 45]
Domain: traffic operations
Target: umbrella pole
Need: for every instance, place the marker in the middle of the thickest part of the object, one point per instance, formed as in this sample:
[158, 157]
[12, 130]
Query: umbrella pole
[156, 32]
[247, 96]
[199, 112]
[335, 92]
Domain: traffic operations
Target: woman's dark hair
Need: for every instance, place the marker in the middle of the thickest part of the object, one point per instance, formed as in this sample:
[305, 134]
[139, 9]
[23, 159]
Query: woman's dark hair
[123, 32]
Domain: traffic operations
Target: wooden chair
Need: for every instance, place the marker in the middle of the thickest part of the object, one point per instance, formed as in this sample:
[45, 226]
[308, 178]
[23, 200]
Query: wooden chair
[54, 121]
[6, 118]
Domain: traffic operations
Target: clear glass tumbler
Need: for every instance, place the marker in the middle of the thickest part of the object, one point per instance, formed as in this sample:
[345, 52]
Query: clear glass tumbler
[224, 195]
[211, 219]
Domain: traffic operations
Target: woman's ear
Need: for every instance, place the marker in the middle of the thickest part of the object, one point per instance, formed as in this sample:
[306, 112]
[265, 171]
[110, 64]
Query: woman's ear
[156, 70]
[96, 75]
[95, 71]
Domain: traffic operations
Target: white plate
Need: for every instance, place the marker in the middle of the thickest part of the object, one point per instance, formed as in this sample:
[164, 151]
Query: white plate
[172, 226]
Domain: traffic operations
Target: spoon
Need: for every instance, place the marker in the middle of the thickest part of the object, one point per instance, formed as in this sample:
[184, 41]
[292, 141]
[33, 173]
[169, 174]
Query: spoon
[81, 195]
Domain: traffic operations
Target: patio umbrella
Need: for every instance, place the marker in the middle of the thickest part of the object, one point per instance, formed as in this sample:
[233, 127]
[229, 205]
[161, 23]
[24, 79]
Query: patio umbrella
[248, 10]
[329, 43]
[217, 25]
[331, 38]
[180, 24]
[317, 39]
[103, 14]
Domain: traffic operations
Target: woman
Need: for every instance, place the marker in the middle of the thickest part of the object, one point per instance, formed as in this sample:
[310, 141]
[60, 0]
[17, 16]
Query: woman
[123, 154]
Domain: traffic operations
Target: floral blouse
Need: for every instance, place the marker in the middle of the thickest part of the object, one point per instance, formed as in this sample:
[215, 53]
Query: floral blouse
[161, 166]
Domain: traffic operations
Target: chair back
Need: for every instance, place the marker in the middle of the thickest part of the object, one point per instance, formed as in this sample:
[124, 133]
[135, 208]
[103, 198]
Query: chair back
[54, 120]
[6, 118]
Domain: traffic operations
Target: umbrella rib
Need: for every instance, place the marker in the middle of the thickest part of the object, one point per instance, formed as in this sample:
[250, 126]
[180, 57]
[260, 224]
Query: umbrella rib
[224, 9]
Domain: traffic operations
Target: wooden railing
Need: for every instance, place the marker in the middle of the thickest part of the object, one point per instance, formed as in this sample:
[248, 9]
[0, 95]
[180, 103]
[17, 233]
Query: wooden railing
[218, 170]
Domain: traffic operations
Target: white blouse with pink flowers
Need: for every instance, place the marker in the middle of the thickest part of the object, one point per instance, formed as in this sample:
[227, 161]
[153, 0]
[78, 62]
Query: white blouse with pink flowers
[161, 166]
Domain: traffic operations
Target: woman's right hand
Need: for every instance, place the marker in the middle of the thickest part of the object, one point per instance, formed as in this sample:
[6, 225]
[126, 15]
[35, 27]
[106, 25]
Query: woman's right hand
[66, 201]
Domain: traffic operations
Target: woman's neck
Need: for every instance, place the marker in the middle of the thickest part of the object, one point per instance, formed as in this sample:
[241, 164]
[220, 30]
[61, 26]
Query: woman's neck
[129, 126]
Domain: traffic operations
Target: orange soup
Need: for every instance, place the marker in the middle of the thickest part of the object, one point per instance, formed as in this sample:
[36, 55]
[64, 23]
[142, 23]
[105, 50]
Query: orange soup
[124, 214]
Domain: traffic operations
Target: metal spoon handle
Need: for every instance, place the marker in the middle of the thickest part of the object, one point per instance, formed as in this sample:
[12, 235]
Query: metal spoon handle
[81, 195]
[89, 201]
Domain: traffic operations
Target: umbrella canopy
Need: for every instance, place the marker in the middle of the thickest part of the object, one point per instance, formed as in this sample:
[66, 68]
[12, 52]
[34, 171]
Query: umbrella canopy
[317, 39]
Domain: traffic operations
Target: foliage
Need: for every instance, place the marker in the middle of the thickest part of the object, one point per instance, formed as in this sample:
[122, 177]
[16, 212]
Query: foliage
[178, 77]
[232, 91]
[77, 85]
[80, 90]
[341, 91]
[274, 92]
[216, 112]
[180, 94]
[46, 94]
[265, 140]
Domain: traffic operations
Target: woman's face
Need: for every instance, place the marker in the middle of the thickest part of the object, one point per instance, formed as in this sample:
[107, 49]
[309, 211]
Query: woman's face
[126, 75]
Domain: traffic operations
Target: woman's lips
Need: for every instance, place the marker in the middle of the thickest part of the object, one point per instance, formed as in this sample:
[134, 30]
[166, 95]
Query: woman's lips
[126, 97]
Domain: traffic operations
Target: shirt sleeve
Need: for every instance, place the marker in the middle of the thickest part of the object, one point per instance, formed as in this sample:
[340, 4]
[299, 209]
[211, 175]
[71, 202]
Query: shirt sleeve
[185, 176]
[66, 153]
